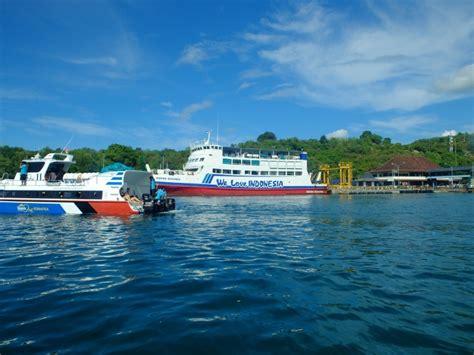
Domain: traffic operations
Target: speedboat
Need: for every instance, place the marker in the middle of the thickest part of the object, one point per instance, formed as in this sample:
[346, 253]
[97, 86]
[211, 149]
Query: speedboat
[50, 189]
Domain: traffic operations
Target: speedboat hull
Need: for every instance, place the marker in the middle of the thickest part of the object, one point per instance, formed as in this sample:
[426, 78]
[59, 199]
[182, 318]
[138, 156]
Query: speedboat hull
[66, 207]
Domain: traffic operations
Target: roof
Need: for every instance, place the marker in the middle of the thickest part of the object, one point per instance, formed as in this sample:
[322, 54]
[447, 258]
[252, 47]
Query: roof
[453, 169]
[406, 164]
[115, 167]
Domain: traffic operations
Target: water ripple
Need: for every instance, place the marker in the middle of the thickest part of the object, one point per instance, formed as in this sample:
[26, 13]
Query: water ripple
[340, 274]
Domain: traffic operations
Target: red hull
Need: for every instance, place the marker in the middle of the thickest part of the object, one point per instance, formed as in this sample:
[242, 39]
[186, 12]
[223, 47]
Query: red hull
[112, 208]
[174, 190]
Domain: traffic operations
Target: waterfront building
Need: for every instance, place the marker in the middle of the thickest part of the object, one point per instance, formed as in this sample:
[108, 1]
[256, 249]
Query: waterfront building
[452, 176]
[405, 171]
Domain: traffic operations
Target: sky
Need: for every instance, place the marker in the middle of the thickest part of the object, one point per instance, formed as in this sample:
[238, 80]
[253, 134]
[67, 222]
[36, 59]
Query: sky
[160, 74]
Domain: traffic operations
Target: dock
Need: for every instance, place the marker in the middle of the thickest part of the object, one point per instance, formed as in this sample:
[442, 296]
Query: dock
[388, 190]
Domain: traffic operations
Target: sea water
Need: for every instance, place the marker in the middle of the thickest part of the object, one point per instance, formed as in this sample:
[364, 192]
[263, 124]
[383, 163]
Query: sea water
[336, 274]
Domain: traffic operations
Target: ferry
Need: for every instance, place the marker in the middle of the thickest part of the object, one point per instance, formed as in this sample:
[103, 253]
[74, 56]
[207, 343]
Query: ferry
[50, 189]
[214, 170]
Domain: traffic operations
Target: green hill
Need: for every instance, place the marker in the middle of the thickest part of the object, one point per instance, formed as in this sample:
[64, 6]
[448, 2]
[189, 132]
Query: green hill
[366, 152]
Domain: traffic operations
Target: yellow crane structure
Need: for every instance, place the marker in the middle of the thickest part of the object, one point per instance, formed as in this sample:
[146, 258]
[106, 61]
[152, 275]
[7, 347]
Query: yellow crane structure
[345, 174]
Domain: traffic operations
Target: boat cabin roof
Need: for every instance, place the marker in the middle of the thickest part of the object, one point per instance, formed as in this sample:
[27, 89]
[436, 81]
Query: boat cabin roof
[231, 151]
[51, 156]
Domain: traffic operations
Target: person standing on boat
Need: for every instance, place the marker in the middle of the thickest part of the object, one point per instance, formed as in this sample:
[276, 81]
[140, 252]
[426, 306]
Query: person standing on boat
[23, 172]
[152, 186]
[160, 195]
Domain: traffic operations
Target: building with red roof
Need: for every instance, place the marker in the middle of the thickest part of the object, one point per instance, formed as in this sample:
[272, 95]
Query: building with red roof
[399, 170]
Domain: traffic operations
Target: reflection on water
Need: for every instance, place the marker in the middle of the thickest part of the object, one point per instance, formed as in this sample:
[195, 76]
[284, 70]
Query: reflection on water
[280, 274]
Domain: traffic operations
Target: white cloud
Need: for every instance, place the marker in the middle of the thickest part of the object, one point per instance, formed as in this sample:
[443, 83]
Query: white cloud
[449, 133]
[246, 85]
[403, 124]
[339, 134]
[203, 51]
[166, 104]
[74, 126]
[306, 18]
[113, 53]
[91, 61]
[254, 74]
[395, 58]
[20, 94]
[193, 55]
[461, 81]
[260, 38]
[280, 93]
[190, 110]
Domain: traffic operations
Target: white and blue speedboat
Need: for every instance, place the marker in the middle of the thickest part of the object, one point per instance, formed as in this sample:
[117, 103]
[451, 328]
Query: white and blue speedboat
[49, 189]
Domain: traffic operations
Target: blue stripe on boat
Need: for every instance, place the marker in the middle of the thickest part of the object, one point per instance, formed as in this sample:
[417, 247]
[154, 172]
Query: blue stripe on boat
[30, 208]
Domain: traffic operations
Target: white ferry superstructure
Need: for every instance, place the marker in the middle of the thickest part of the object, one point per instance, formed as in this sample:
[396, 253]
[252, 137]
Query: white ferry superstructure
[214, 170]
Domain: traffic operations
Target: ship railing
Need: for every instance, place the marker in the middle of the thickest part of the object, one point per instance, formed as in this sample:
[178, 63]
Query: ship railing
[257, 156]
[36, 183]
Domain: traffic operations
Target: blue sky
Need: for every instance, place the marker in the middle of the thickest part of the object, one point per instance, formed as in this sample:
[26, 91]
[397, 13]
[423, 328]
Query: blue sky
[156, 74]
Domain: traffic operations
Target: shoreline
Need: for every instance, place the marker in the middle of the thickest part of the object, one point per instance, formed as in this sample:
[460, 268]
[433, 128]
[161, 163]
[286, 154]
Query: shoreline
[386, 190]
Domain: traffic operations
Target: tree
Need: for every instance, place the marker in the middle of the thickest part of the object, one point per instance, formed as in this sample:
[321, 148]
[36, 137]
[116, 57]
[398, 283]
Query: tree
[323, 139]
[371, 137]
[117, 153]
[267, 136]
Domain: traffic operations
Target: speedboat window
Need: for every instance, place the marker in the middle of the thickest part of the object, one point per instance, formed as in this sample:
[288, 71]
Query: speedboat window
[34, 167]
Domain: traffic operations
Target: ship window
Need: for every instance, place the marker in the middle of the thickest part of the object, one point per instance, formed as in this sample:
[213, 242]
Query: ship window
[217, 171]
[227, 161]
[273, 173]
[255, 162]
[192, 169]
[254, 172]
[282, 173]
[35, 167]
[226, 171]
[298, 173]
[246, 162]
[264, 173]
[290, 173]
[206, 147]
[201, 159]
[236, 172]
[236, 161]
[247, 172]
